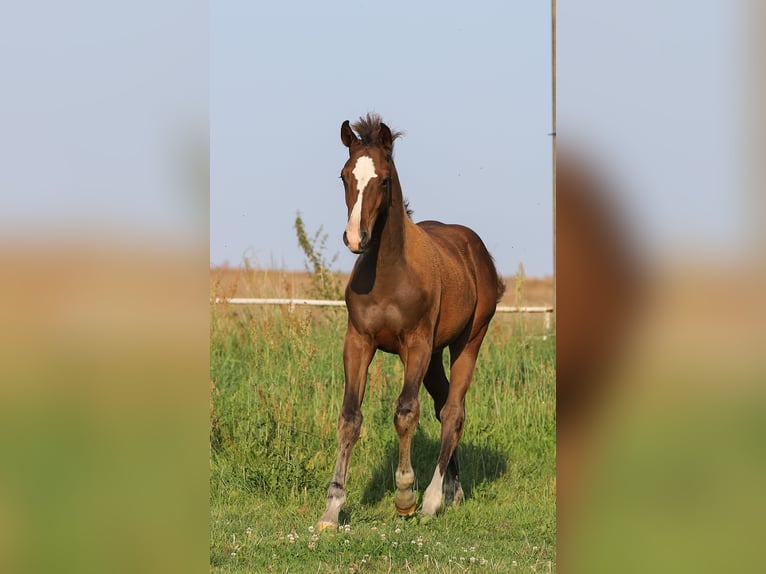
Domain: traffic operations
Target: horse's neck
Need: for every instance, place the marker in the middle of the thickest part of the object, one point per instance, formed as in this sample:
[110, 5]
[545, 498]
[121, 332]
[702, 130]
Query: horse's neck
[384, 265]
[394, 233]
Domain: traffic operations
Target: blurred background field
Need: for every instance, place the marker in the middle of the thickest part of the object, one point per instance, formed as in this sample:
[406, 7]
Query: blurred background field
[102, 409]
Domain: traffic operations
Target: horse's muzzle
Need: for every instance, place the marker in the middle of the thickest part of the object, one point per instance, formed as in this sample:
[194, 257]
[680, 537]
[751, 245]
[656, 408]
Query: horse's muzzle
[361, 247]
[364, 242]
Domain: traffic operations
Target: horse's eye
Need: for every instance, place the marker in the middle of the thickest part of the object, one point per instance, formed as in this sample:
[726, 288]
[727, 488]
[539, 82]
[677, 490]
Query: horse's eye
[385, 182]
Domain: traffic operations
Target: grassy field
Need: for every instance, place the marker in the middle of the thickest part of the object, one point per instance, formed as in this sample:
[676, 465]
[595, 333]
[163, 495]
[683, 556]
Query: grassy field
[276, 389]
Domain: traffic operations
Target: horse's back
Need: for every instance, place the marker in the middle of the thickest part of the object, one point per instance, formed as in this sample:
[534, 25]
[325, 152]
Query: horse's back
[453, 236]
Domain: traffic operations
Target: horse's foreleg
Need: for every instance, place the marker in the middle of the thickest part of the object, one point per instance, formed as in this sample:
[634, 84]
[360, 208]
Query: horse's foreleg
[357, 355]
[406, 416]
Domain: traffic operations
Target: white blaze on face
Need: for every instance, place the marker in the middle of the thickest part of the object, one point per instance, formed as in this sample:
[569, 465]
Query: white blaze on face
[363, 171]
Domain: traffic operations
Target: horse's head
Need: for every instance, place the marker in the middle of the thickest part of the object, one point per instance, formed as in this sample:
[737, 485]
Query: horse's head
[367, 178]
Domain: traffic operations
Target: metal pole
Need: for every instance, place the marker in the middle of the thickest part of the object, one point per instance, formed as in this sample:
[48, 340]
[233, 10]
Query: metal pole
[553, 136]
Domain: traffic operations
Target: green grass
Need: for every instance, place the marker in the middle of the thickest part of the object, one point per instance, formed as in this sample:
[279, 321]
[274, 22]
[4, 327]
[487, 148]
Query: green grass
[278, 385]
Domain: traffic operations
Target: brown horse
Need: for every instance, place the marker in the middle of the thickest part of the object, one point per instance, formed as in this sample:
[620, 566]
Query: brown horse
[414, 291]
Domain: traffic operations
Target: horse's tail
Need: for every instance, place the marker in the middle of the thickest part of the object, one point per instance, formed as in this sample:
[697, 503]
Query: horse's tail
[500, 287]
[499, 283]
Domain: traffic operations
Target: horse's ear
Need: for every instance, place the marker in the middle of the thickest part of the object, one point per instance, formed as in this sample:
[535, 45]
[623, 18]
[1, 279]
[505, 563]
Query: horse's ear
[386, 139]
[347, 135]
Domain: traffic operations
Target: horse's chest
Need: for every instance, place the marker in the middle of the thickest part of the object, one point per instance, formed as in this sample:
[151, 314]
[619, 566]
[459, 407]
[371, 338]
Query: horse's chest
[374, 318]
[387, 323]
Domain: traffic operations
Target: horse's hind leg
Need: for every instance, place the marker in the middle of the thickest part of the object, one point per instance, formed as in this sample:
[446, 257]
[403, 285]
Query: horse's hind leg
[437, 385]
[452, 417]
[453, 492]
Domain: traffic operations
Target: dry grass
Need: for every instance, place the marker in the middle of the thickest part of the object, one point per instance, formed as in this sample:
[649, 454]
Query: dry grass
[252, 282]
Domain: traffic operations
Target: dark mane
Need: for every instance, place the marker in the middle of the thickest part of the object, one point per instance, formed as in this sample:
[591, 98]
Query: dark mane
[407, 208]
[368, 129]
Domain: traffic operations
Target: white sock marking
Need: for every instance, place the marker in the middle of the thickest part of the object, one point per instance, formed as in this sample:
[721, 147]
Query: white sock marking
[432, 499]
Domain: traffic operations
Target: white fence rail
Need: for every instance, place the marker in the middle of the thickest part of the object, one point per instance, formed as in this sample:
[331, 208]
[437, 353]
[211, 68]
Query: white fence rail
[512, 309]
[290, 302]
[333, 303]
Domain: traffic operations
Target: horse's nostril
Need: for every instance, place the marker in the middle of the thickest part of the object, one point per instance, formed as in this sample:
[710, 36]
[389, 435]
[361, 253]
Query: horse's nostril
[345, 239]
[363, 236]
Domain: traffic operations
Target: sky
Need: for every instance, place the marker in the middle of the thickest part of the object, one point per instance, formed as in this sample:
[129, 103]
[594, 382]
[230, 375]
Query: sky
[655, 95]
[470, 84]
[104, 110]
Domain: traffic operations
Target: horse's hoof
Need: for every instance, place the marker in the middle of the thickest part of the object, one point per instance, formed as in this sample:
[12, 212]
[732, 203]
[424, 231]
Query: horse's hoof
[405, 502]
[324, 525]
[406, 511]
[455, 498]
